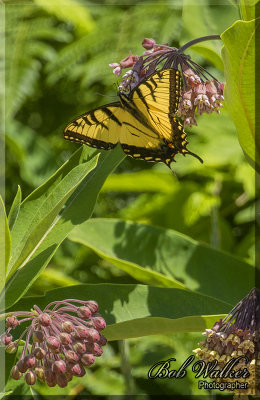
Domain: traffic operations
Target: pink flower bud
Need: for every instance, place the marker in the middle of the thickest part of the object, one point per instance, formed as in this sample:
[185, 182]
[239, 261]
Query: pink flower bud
[97, 350]
[102, 340]
[128, 61]
[67, 326]
[79, 347]
[30, 378]
[53, 344]
[81, 332]
[61, 381]
[44, 319]
[148, 43]
[82, 371]
[39, 353]
[71, 356]
[221, 87]
[200, 90]
[6, 339]
[74, 369]
[84, 312]
[87, 359]
[16, 374]
[93, 335]
[65, 338]
[29, 361]
[211, 89]
[113, 65]
[99, 323]
[59, 367]
[117, 71]
[38, 336]
[12, 322]
[22, 366]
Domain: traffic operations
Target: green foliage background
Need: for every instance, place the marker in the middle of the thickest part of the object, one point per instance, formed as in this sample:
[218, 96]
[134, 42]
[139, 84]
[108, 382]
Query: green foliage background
[57, 55]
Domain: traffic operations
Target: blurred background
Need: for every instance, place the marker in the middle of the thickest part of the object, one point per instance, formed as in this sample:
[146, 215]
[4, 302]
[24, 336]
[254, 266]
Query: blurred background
[57, 55]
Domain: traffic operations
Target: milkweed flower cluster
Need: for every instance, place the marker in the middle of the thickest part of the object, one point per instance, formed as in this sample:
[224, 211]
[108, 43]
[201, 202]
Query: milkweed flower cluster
[59, 343]
[201, 91]
[237, 335]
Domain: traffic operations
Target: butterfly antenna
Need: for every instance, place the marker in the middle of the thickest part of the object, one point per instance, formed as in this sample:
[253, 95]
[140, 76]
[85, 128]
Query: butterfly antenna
[105, 95]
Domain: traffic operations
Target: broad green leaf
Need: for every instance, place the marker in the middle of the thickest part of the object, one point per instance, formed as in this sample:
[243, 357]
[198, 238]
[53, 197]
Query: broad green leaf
[15, 208]
[139, 310]
[39, 210]
[41, 214]
[239, 62]
[71, 11]
[5, 242]
[165, 257]
[247, 9]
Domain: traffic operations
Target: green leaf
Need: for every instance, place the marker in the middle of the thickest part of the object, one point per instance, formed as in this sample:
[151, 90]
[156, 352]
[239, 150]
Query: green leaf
[165, 257]
[139, 310]
[48, 215]
[239, 62]
[247, 9]
[15, 208]
[5, 242]
[39, 210]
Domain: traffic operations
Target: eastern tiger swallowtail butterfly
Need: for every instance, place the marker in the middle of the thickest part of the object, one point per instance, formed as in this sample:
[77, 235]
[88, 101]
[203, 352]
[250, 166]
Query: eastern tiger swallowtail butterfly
[143, 121]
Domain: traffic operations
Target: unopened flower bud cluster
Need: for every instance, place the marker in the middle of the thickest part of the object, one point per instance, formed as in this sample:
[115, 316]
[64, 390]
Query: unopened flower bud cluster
[60, 342]
[198, 95]
[227, 341]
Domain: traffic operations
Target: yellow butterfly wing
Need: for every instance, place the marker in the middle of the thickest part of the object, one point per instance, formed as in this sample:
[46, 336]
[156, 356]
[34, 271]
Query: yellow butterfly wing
[154, 133]
[98, 128]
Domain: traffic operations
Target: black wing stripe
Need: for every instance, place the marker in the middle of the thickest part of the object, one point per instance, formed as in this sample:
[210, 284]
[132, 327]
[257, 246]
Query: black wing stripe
[87, 121]
[111, 116]
[139, 130]
[151, 89]
[96, 121]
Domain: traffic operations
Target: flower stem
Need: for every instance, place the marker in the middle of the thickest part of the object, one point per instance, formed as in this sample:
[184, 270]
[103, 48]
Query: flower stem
[198, 40]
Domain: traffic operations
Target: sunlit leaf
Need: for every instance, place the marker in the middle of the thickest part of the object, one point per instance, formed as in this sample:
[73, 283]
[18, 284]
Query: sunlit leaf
[5, 242]
[165, 258]
[14, 211]
[239, 61]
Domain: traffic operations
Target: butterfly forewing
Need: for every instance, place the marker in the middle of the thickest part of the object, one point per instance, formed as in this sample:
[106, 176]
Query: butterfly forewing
[158, 99]
[98, 128]
[159, 92]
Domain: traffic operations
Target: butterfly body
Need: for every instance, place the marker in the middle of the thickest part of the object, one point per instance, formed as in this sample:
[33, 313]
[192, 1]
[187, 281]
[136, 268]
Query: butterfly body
[142, 122]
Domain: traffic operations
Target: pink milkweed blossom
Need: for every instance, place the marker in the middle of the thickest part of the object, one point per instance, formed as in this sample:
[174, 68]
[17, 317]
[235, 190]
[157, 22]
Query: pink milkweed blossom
[59, 342]
[201, 92]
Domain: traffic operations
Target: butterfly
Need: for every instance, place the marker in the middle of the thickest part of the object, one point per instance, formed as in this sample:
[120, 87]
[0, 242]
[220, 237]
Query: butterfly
[143, 121]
